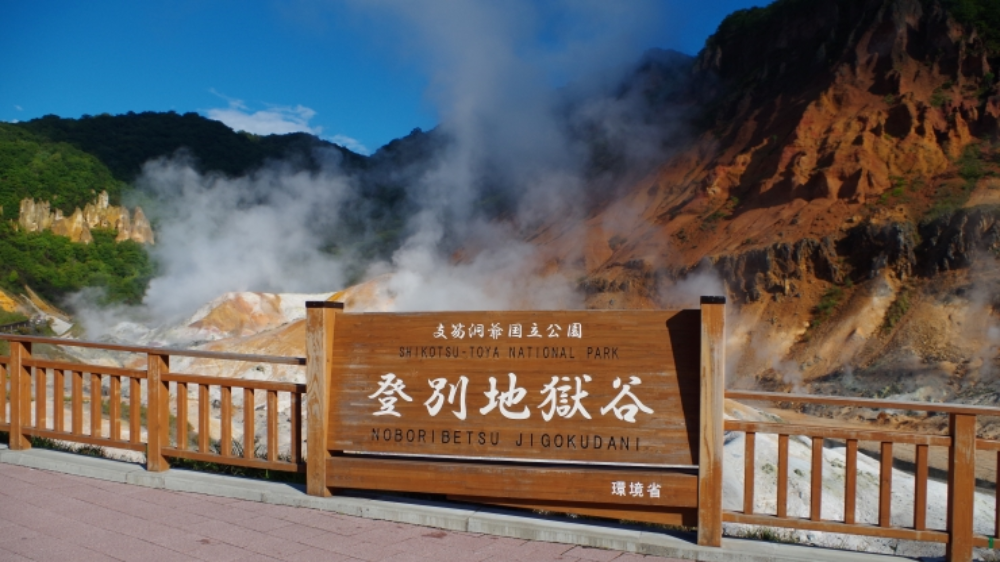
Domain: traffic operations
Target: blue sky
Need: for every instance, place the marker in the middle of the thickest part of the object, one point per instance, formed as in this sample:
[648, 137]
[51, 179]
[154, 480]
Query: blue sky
[355, 72]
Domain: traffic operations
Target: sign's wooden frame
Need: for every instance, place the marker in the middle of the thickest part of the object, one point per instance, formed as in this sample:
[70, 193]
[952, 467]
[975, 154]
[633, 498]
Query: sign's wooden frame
[694, 493]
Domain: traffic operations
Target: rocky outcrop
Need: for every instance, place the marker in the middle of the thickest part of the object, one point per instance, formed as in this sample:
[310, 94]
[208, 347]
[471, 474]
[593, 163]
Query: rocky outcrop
[865, 252]
[870, 249]
[830, 130]
[141, 231]
[955, 241]
[750, 275]
[37, 216]
[872, 90]
[75, 227]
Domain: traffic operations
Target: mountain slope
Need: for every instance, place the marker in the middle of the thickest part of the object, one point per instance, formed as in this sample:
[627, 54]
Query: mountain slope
[844, 140]
[69, 179]
[125, 142]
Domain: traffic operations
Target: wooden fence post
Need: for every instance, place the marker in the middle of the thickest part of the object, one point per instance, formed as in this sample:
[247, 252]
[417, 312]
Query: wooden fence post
[321, 317]
[157, 412]
[20, 394]
[713, 380]
[961, 487]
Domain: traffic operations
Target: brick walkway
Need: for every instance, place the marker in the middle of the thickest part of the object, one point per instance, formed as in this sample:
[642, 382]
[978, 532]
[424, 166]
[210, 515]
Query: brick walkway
[50, 516]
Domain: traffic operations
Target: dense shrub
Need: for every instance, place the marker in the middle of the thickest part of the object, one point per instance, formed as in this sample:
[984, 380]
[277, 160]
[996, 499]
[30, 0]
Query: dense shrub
[54, 266]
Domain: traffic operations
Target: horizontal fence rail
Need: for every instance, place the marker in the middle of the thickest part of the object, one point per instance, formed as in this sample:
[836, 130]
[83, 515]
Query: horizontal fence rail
[9, 328]
[961, 444]
[751, 395]
[148, 410]
[173, 352]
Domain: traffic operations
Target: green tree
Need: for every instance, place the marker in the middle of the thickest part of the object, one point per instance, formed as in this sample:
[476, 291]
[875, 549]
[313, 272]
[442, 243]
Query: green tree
[54, 266]
[65, 176]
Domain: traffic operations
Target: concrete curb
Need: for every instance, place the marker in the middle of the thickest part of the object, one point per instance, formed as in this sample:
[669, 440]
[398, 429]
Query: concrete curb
[452, 517]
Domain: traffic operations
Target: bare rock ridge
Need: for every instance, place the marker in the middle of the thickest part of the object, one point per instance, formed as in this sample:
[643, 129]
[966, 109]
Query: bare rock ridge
[863, 253]
[826, 117]
[842, 186]
[822, 116]
[37, 216]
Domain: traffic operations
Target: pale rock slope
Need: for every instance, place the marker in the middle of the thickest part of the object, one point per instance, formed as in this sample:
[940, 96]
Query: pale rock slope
[36, 308]
[231, 315]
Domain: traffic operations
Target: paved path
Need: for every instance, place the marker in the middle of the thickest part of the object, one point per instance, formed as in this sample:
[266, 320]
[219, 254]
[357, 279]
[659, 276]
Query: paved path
[52, 516]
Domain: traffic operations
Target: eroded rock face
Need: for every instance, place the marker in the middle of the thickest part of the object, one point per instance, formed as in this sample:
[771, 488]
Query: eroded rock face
[141, 231]
[37, 216]
[889, 99]
[832, 128]
[871, 249]
[955, 241]
[75, 227]
[865, 252]
[752, 274]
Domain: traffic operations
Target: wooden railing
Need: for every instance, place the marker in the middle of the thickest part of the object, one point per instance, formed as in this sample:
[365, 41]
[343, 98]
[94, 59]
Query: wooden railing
[961, 443]
[81, 377]
[64, 416]
[86, 406]
[247, 453]
[4, 393]
[9, 328]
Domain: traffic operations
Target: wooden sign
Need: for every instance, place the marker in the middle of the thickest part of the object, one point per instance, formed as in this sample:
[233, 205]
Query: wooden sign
[610, 387]
[596, 412]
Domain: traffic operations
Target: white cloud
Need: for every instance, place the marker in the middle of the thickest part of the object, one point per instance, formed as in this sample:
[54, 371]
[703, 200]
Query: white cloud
[276, 120]
[350, 144]
[19, 108]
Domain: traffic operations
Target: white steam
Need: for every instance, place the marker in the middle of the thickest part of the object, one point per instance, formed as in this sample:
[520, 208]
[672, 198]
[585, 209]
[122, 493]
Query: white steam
[513, 90]
[687, 291]
[216, 234]
[982, 328]
[493, 68]
[496, 278]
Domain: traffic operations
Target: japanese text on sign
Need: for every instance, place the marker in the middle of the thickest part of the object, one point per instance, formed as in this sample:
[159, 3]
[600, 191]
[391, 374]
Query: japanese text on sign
[460, 331]
[557, 398]
[635, 489]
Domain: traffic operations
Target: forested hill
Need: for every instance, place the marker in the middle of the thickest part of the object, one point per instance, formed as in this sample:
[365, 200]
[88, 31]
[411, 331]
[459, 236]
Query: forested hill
[33, 166]
[68, 162]
[125, 142]
[371, 222]
[68, 178]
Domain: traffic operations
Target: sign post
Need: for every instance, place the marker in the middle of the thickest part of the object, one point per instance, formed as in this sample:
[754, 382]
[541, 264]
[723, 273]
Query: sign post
[713, 381]
[321, 317]
[603, 413]
[20, 394]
